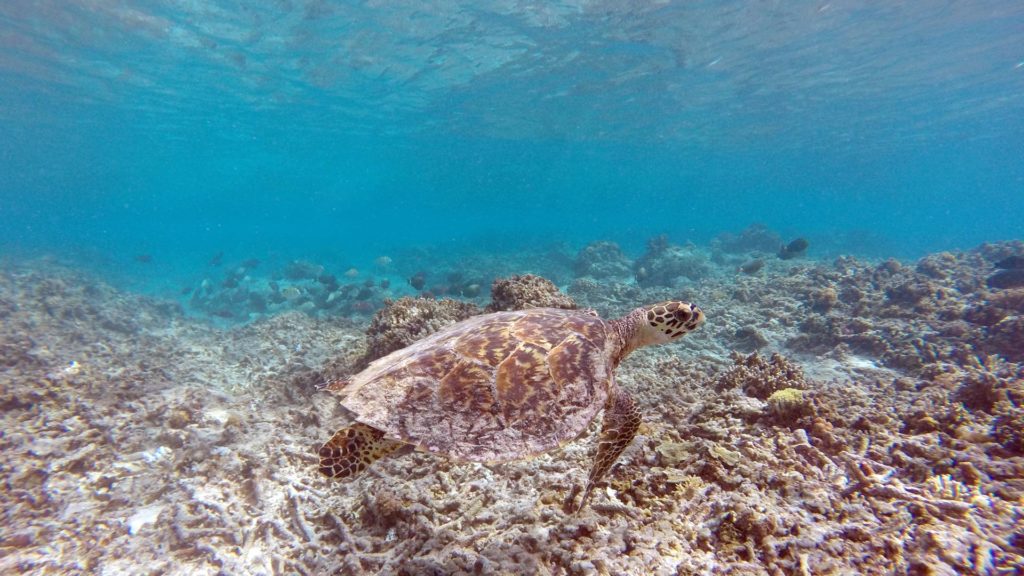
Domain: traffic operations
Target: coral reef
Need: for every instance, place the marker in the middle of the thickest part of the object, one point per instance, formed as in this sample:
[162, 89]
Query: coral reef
[602, 260]
[527, 291]
[877, 432]
[666, 264]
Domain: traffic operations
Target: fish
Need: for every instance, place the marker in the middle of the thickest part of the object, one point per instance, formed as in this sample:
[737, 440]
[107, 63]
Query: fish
[418, 280]
[752, 267]
[1012, 278]
[793, 249]
[143, 258]
[1011, 263]
[216, 260]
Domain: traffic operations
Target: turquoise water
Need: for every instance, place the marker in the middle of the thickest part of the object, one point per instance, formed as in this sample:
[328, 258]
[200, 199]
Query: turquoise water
[343, 131]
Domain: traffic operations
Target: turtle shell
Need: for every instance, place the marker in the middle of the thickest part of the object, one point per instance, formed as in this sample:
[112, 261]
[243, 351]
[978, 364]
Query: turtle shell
[492, 388]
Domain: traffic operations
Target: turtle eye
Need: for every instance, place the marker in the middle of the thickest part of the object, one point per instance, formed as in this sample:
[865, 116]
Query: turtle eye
[682, 315]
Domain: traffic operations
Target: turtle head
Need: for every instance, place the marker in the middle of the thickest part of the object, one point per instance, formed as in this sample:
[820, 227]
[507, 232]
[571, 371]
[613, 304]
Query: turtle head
[655, 324]
[667, 321]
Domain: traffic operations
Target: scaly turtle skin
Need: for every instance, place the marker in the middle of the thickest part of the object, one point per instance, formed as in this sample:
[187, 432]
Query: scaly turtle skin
[502, 386]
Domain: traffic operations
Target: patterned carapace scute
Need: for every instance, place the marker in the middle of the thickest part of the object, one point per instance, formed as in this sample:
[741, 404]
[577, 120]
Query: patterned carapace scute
[491, 388]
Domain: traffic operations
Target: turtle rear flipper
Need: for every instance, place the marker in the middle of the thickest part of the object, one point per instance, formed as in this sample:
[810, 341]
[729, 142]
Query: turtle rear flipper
[354, 448]
[621, 421]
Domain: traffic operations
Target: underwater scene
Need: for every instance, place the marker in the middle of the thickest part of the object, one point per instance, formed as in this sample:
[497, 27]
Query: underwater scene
[512, 287]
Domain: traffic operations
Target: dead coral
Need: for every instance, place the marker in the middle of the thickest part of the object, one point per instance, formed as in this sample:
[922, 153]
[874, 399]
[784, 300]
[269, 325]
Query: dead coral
[759, 377]
[527, 291]
[406, 320]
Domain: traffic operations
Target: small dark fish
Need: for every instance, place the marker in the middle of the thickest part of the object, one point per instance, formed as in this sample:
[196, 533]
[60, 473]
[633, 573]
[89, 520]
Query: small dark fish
[223, 313]
[216, 260]
[186, 290]
[1011, 263]
[385, 284]
[752, 267]
[250, 263]
[793, 249]
[1013, 278]
[418, 280]
[143, 258]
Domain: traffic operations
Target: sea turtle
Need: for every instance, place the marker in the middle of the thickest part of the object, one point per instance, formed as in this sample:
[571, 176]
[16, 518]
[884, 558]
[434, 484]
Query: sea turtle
[502, 386]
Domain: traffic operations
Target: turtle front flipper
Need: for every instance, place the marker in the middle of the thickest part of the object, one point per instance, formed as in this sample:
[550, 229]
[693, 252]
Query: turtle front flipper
[621, 421]
[354, 448]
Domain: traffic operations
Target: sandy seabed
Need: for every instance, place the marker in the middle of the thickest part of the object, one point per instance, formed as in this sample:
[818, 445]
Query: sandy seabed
[138, 440]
